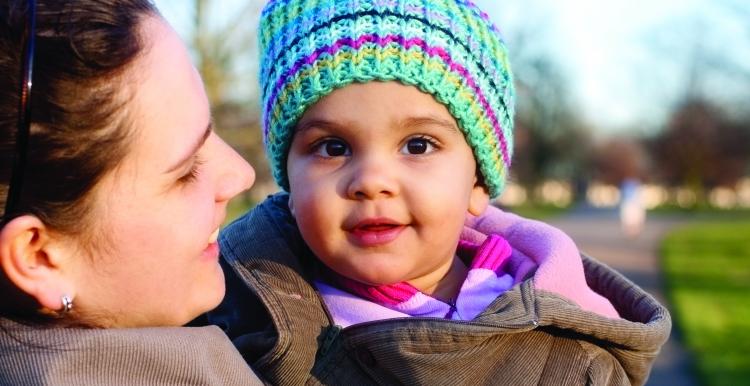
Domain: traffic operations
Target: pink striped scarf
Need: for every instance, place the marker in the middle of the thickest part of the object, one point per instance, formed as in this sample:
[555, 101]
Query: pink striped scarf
[486, 280]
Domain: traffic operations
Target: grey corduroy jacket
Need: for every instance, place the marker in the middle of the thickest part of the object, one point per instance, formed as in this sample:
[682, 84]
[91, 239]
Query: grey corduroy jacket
[525, 337]
[131, 356]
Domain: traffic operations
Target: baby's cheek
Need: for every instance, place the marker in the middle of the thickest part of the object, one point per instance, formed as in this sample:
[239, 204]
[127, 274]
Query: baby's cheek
[316, 226]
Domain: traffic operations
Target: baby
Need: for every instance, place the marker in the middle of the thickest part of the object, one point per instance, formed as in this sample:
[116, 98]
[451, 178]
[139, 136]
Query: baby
[390, 123]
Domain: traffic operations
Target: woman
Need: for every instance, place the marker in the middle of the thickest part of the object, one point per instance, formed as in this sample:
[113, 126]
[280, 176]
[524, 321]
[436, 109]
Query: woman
[113, 202]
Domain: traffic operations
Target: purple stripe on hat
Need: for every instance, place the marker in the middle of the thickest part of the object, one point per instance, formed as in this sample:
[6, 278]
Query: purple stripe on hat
[382, 41]
[483, 15]
[385, 3]
[413, 9]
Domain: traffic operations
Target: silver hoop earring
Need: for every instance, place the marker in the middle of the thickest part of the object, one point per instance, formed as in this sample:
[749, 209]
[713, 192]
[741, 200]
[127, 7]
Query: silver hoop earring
[67, 304]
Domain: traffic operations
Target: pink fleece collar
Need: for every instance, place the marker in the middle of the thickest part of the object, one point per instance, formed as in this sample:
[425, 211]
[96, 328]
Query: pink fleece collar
[486, 280]
[541, 249]
[538, 249]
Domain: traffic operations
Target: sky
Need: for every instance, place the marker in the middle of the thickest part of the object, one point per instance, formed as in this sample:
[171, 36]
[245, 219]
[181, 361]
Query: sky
[630, 61]
[627, 62]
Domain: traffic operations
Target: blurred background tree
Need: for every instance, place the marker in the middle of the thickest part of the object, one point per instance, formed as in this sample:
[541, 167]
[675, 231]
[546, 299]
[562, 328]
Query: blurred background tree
[551, 139]
[679, 117]
[701, 148]
[687, 124]
[619, 158]
[225, 54]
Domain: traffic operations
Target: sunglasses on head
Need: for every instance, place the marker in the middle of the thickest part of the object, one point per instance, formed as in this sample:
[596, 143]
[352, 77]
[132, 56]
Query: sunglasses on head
[24, 112]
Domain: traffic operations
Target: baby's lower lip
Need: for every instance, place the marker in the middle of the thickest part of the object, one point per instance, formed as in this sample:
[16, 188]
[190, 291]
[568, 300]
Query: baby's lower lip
[373, 235]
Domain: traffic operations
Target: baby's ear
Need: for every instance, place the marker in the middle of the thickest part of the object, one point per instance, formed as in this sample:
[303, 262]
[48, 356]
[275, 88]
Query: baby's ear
[479, 199]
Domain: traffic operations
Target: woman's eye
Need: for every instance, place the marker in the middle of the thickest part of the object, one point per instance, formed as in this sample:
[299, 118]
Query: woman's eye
[418, 146]
[332, 148]
[192, 175]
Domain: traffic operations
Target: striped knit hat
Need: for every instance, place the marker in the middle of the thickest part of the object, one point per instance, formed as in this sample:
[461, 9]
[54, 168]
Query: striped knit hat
[446, 48]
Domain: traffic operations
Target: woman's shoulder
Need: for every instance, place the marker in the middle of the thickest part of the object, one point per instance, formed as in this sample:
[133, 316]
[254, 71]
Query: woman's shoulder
[200, 355]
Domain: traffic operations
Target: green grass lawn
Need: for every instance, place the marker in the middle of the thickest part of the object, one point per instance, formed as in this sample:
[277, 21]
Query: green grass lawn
[707, 269]
[536, 211]
[706, 212]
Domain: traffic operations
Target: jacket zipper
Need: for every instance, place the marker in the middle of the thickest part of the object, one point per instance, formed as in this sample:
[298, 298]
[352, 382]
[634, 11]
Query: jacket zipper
[332, 333]
[453, 309]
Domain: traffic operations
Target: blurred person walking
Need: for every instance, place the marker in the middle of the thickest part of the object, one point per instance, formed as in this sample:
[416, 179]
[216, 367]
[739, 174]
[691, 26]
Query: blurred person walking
[632, 209]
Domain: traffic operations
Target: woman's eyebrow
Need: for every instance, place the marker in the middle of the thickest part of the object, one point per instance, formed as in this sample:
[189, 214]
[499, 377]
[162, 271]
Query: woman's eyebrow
[194, 149]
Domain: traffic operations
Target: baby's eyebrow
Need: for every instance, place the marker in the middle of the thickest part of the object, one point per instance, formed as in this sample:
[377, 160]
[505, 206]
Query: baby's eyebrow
[409, 122]
[320, 123]
[429, 121]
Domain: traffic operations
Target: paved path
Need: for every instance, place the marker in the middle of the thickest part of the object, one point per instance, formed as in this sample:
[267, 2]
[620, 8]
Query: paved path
[597, 233]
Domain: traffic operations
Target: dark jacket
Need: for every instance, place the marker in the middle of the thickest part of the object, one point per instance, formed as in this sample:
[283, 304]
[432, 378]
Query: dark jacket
[525, 337]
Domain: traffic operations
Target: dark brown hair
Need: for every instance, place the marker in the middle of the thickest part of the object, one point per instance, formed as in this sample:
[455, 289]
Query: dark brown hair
[80, 124]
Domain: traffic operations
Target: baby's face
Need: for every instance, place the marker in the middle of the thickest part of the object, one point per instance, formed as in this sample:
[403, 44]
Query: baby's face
[381, 180]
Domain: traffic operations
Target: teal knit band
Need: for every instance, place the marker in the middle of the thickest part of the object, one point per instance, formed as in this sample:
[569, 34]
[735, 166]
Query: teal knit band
[446, 48]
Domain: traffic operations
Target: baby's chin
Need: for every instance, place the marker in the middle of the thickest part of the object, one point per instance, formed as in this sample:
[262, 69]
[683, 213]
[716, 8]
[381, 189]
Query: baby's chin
[378, 279]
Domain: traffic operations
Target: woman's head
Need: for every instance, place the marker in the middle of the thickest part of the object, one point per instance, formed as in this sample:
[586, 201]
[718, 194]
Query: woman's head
[80, 66]
[448, 49]
[125, 184]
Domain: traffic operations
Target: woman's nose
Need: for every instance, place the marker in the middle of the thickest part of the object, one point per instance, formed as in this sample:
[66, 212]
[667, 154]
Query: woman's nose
[237, 175]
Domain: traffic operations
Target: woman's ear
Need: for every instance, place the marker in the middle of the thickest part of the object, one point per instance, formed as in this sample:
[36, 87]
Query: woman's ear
[479, 199]
[32, 262]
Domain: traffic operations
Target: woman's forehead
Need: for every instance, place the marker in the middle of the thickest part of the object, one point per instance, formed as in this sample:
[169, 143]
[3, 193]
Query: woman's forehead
[172, 110]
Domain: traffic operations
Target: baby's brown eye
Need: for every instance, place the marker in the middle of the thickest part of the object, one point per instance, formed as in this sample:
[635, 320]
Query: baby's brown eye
[419, 145]
[335, 148]
[332, 148]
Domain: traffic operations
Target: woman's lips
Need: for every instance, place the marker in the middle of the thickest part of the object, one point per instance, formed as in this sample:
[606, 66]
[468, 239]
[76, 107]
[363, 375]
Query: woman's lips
[373, 232]
[211, 252]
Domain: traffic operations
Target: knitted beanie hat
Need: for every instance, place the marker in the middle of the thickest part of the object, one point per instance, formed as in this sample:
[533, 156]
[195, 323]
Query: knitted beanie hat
[446, 48]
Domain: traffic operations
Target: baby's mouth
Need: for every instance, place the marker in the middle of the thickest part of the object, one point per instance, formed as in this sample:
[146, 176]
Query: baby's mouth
[379, 224]
[376, 227]
[372, 232]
